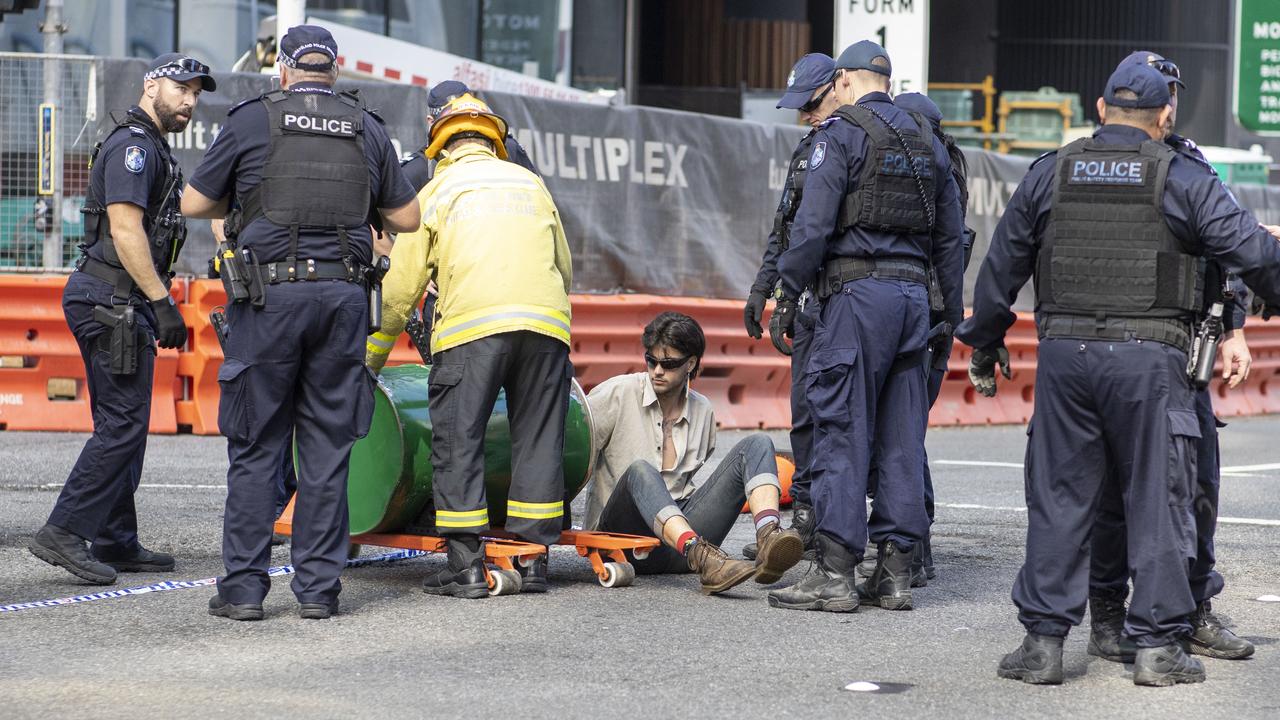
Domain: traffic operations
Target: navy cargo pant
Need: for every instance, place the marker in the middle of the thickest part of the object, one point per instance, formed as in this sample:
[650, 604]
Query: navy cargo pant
[294, 372]
[1127, 407]
[96, 502]
[1109, 571]
[534, 370]
[867, 402]
[801, 418]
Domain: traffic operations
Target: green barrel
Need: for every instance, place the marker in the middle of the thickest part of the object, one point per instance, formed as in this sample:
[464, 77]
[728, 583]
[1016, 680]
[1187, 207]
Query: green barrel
[389, 481]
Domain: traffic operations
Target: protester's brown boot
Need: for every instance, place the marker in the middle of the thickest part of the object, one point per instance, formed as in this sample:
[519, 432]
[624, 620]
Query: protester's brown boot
[778, 550]
[717, 571]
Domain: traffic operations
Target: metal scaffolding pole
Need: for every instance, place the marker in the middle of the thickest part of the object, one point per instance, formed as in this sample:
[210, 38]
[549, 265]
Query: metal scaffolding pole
[52, 28]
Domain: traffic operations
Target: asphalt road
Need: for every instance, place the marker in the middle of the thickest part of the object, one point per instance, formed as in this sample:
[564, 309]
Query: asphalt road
[656, 649]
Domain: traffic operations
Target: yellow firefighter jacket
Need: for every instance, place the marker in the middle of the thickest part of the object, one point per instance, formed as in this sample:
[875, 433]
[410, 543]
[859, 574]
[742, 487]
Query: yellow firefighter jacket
[491, 239]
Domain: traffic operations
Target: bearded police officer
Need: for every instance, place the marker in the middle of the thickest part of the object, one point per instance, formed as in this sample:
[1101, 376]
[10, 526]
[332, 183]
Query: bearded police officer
[1114, 228]
[809, 91]
[419, 168]
[1109, 571]
[118, 306]
[879, 208]
[308, 170]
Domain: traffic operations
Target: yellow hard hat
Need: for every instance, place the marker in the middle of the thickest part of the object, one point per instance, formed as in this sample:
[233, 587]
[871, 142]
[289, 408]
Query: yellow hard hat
[467, 113]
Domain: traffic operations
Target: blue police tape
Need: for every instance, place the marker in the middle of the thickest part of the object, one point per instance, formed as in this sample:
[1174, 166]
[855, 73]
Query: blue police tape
[184, 584]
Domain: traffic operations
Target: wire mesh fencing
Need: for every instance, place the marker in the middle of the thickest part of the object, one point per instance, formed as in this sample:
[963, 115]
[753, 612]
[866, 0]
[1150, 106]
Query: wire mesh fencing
[49, 117]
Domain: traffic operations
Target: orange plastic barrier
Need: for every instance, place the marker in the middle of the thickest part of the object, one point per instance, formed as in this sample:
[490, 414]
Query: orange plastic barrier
[197, 405]
[42, 378]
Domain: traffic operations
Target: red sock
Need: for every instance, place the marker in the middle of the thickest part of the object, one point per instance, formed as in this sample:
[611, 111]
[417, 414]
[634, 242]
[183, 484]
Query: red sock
[685, 539]
[764, 517]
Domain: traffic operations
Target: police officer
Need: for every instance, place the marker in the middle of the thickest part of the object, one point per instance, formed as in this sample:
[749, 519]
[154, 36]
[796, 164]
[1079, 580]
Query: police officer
[809, 91]
[118, 306]
[940, 330]
[307, 168]
[1109, 571]
[1112, 392]
[879, 208]
[419, 168]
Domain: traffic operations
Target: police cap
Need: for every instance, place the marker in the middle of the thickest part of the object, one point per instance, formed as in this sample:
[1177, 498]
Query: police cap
[918, 103]
[1150, 86]
[1145, 57]
[810, 73]
[303, 39]
[442, 93]
[181, 68]
[861, 56]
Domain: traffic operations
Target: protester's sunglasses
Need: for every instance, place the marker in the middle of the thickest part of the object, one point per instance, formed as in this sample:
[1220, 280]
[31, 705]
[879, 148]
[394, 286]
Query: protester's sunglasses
[815, 102]
[666, 363]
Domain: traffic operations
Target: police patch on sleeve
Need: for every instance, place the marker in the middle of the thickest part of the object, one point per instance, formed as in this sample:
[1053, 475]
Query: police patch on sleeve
[819, 154]
[135, 159]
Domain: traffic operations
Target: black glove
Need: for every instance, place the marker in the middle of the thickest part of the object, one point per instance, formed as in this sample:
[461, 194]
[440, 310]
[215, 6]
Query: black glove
[751, 314]
[782, 322]
[171, 329]
[1258, 306]
[982, 369]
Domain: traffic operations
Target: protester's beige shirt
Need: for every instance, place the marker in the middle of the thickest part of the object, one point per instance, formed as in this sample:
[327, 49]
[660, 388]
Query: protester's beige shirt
[627, 426]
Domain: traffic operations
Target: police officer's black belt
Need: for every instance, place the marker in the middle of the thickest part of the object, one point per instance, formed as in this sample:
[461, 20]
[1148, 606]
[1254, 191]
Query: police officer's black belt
[841, 270]
[117, 277]
[1162, 330]
[278, 272]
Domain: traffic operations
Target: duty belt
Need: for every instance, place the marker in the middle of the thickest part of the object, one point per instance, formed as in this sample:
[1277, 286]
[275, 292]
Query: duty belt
[303, 270]
[119, 278]
[1169, 331]
[841, 270]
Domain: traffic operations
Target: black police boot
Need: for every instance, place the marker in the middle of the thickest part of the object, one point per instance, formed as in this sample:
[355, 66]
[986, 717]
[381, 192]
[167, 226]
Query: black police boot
[830, 587]
[1106, 633]
[890, 582]
[929, 570]
[464, 575]
[1211, 639]
[1038, 661]
[218, 607]
[70, 552]
[139, 560]
[533, 577]
[1166, 665]
[318, 611]
[802, 522]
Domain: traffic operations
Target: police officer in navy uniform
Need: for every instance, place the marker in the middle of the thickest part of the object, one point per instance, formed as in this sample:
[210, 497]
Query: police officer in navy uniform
[309, 170]
[941, 331]
[1109, 571]
[118, 306]
[1114, 227]
[879, 209]
[810, 92]
[418, 168]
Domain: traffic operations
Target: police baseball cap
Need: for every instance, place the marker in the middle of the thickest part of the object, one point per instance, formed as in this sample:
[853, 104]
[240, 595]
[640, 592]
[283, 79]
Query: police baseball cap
[918, 103]
[810, 73]
[862, 55]
[181, 68]
[304, 39]
[1145, 57]
[442, 93]
[1149, 84]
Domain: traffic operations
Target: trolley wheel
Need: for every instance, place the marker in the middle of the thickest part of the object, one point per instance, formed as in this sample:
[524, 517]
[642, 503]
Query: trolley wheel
[639, 553]
[618, 574]
[353, 551]
[505, 582]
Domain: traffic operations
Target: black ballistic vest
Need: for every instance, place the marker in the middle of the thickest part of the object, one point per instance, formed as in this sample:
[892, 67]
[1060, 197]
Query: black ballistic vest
[316, 175]
[895, 192]
[798, 170]
[1107, 251]
[162, 221]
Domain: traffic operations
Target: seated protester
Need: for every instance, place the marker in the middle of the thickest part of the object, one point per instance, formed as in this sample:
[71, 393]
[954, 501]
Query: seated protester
[653, 433]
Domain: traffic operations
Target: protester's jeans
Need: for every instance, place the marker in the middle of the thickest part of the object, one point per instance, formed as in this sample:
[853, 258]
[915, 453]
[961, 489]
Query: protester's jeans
[641, 504]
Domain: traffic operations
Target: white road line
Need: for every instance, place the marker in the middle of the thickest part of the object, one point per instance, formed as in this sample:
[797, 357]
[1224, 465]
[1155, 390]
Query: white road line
[1222, 520]
[162, 486]
[977, 463]
[1250, 468]
[1232, 470]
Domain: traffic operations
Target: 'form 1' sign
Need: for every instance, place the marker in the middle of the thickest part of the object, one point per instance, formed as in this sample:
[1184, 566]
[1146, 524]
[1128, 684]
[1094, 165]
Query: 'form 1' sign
[901, 26]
